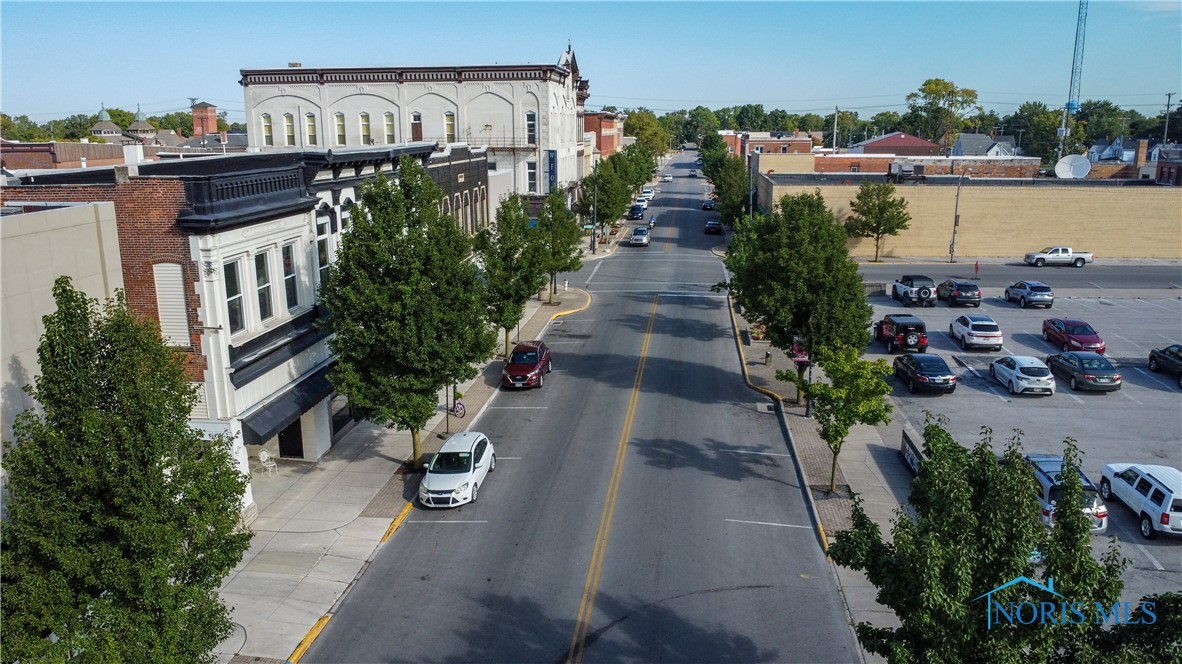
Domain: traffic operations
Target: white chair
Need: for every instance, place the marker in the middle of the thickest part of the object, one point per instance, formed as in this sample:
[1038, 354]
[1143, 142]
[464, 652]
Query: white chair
[267, 462]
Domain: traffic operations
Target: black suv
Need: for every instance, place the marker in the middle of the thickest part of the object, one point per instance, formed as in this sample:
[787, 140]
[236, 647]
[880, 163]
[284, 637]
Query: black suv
[636, 212]
[914, 289]
[900, 331]
[959, 291]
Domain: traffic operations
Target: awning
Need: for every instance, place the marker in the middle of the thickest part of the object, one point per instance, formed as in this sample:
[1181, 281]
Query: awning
[268, 421]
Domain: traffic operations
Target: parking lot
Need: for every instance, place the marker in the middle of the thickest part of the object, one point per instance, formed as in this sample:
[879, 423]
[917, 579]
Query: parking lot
[1140, 423]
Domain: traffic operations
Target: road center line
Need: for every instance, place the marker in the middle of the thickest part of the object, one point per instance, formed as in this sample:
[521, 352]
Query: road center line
[590, 587]
[1153, 560]
[767, 523]
[759, 453]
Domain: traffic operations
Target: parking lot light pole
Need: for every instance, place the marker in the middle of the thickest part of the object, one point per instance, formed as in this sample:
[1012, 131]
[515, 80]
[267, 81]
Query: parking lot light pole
[956, 217]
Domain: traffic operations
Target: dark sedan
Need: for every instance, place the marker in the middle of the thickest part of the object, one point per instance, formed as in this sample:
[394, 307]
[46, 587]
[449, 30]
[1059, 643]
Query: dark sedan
[1167, 359]
[1085, 370]
[714, 227]
[707, 204]
[925, 373]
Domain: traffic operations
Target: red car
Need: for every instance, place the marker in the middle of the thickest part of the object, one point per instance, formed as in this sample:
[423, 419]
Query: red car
[527, 365]
[1070, 335]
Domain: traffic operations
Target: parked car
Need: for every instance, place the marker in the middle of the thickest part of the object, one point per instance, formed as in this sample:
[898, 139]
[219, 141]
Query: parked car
[641, 201]
[1085, 370]
[714, 227]
[666, 178]
[976, 330]
[927, 373]
[1022, 374]
[1154, 493]
[914, 289]
[527, 365]
[1167, 359]
[708, 204]
[636, 212]
[959, 291]
[1070, 334]
[639, 237]
[693, 173]
[648, 193]
[1028, 293]
[902, 331]
[457, 470]
[1058, 256]
[1048, 472]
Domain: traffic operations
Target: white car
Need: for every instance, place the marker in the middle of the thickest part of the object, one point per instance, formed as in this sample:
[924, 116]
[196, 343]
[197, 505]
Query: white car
[1154, 493]
[648, 193]
[666, 178]
[457, 470]
[1022, 373]
[975, 330]
[641, 201]
[639, 237]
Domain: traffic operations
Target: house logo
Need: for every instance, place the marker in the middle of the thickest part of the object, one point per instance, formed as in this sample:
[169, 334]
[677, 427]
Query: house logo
[1056, 609]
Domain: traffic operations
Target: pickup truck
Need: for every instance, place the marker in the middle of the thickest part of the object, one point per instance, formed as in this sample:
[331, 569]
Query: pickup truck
[1058, 256]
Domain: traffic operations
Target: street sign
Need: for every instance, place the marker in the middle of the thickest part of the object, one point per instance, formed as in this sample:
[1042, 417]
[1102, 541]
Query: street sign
[588, 227]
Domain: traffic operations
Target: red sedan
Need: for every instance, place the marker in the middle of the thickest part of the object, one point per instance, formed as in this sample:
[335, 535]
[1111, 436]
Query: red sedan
[1072, 335]
[527, 365]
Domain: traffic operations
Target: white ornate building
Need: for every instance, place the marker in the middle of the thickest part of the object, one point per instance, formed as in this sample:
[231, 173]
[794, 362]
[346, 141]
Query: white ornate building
[529, 116]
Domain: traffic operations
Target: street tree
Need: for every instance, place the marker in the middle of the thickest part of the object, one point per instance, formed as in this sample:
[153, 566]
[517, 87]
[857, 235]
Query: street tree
[559, 239]
[973, 525]
[792, 271]
[936, 111]
[877, 213]
[406, 302]
[122, 519]
[854, 394]
[648, 131]
[700, 122]
[732, 186]
[512, 264]
[606, 193]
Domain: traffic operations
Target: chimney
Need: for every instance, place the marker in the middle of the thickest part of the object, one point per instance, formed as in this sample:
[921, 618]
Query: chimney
[1142, 153]
[205, 119]
[225, 136]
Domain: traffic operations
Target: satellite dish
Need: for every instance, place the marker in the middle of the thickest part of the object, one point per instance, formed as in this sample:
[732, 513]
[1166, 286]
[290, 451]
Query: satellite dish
[1073, 167]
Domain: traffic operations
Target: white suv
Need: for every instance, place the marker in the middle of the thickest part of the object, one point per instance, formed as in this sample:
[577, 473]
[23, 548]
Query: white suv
[976, 330]
[1154, 493]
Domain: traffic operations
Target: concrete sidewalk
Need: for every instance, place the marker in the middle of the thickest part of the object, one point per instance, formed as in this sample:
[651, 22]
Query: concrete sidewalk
[320, 524]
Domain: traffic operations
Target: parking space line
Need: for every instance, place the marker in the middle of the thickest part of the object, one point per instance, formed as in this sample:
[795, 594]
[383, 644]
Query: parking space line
[1153, 560]
[1077, 399]
[1131, 343]
[1082, 303]
[759, 453]
[1150, 376]
[1130, 398]
[501, 458]
[767, 523]
[1155, 304]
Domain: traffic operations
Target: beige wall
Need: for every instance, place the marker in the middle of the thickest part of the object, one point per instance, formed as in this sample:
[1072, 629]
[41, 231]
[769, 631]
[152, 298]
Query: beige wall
[37, 248]
[784, 163]
[1000, 221]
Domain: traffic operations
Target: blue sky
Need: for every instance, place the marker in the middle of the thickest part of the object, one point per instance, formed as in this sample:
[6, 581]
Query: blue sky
[62, 58]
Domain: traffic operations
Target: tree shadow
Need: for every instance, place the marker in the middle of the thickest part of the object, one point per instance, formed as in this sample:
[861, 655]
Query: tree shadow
[715, 459]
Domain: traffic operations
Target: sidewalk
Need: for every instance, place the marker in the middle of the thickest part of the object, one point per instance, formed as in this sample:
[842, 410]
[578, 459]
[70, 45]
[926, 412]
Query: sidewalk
[320, 524]
[867, 465]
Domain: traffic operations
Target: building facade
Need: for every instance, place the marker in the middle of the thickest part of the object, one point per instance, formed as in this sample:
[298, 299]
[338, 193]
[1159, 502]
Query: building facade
[228, 253]
[530, 117]
[609, 131]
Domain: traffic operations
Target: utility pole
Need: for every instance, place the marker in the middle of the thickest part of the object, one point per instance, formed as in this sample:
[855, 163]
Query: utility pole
[595, 209]
[834, 130]
[1165, 136]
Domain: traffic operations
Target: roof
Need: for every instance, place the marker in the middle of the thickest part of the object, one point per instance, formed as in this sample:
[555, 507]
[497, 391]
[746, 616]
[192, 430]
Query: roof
[461, 442]
[1171, 477]
[898, 139]
[905, 318]
[974, 144]
[525, 345]
[980, 318]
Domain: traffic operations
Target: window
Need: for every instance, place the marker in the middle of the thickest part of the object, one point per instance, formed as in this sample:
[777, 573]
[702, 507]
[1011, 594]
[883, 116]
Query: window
[365, 140]
[1157, 497]
[310, 124]
[449, 125]
[389, 118]
[289, 128]
[758, 149]
[290, 285]
[531, 128]
[340, 118]
[234, 301]
[531, 176]
[783, 149]
[268, 139]
[262, 280]
[416, 126]
[322, 249]
[170, 303]
[1143, 487]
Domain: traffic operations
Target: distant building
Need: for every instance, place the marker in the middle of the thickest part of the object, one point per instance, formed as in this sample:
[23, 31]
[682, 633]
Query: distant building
[608, 128]
[983, 145]
[897, 143]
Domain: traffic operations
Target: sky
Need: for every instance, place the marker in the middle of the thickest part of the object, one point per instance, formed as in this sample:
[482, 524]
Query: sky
[64, 58]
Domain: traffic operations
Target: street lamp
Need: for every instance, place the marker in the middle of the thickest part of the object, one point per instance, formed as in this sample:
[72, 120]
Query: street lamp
[595, 209]
[956, 217]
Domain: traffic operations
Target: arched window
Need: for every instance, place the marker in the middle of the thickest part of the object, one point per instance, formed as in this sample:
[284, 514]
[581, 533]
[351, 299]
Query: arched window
[389, 119]
[310, 128]
[340, 118]
[531, 128]
[365, 139]
[289, 129]
[268, 137]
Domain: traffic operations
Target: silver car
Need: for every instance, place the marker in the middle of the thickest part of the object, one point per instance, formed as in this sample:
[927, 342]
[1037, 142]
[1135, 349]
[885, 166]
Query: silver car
[1047, 470]
[1022, 374]
[1030, 293]
[639, 237]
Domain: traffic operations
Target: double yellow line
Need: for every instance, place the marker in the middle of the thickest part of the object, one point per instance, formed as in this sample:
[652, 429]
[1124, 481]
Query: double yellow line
[587, 604]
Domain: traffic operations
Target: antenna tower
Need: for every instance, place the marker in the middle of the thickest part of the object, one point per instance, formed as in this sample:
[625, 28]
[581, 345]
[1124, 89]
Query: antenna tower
[1072, 106]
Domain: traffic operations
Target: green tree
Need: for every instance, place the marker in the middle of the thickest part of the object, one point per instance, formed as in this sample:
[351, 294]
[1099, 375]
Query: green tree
[700, 122]
[75, 127]
[21, 128]
[1036, 127]
[181, 122]
[792, 271]
[847, 122]
[1103, 120]
[606, 189]
[973, 525]
[937, 110]
[648, 131]
[407, 306]
[559, 238]
[731, 189]
[726, 118]
[121, 117]
[877, 213]
[122, 519]
[812, 122]
[886, 122]
[512, 264]
[778, 120]
[855, 394]
[751, 117]
[674, 124]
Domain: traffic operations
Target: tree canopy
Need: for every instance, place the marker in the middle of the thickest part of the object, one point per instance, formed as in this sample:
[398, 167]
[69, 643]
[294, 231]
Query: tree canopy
[122, 519]
[877, 213]
[511, 254]
[406, 303]
[559, 239]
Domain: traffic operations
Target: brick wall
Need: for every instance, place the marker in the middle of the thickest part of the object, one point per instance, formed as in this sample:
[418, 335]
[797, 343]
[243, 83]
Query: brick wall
[1000, 221]
[146, 211]
[1017, 167]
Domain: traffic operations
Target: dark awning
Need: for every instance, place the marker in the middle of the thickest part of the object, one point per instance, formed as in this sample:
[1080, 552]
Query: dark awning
[268, 421]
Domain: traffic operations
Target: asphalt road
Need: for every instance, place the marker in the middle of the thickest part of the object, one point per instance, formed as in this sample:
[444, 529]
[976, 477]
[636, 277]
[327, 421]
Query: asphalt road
[644, 506]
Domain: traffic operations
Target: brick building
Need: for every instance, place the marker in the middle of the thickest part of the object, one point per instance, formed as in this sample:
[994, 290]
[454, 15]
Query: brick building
[897, 143]
[608, 128]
